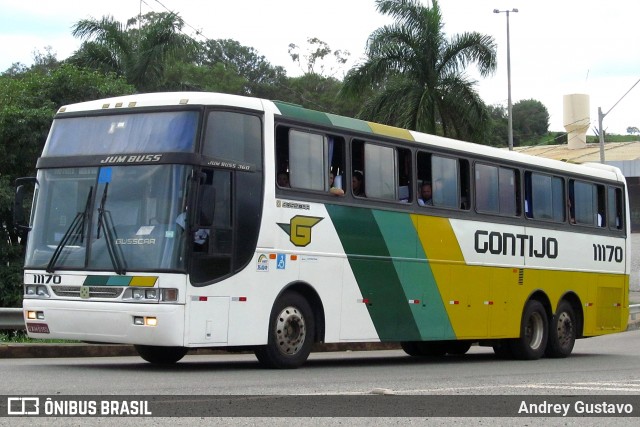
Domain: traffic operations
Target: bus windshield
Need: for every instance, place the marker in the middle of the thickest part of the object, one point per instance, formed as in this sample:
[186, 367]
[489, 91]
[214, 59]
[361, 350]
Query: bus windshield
[116, 218]
[123, 133]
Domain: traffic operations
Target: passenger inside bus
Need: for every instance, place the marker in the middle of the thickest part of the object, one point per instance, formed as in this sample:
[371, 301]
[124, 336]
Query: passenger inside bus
[425, 194]
[357, 184]
[283, 180]
[335, 185]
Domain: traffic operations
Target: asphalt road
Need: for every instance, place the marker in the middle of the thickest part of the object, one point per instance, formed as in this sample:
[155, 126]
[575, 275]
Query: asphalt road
[605, 368]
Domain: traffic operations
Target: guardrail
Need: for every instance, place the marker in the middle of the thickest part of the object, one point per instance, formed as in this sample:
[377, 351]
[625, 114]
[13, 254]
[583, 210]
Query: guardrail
[11, 318]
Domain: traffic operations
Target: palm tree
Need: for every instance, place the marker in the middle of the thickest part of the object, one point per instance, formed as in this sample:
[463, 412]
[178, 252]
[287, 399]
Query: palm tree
[140, 54]
[418, 75]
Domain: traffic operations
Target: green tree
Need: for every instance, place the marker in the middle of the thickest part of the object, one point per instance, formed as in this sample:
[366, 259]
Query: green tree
[140, 50]
[530, 121]
[497, 134]
[28, 102]
[318, 93]
[417, 74]
[235, 62]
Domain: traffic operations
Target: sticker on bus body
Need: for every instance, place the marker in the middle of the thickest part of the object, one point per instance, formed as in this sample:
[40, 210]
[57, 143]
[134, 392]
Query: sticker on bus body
[263, 263]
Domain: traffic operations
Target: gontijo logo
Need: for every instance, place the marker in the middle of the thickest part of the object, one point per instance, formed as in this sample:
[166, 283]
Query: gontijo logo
[299, 229]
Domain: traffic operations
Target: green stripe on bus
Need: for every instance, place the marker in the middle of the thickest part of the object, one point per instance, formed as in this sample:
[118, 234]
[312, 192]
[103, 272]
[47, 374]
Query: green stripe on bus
[375, 273]
[297, 112]
[95, 281]
[119, 280]
[416, 277]
[346, 122]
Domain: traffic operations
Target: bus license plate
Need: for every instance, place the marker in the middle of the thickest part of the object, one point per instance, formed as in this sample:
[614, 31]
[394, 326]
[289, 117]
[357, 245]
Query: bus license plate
[38, 328]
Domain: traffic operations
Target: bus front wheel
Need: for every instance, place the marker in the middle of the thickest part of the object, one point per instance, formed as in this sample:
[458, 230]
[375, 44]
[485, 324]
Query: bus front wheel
[291, 332]
[562, 332]
[160, 355]
[534, 329]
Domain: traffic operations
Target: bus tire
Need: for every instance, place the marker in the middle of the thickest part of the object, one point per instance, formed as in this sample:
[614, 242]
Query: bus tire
[160, 355]
[458, 348]
[411, 348]
[425, 348]
[562, 332]
[433, 348]
[534, 332]
[291, 332]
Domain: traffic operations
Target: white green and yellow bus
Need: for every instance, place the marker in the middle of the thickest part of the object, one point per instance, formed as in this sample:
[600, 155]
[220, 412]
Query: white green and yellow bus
[174, 221]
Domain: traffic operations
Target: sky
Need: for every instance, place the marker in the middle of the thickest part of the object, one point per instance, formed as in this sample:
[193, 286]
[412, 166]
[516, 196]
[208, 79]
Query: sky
[557, 47]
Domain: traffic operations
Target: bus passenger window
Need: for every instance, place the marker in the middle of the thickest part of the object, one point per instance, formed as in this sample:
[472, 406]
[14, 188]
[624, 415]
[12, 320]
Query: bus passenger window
[544, 197]
[601, 219]
[614, 201]
[585, 203]
[309, 161]
[335, 153]
[425, 190]
[487, 189]
[497, 190]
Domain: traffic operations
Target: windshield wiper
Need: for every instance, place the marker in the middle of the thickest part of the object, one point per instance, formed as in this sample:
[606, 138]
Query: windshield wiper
[74, 233]
[105, 223]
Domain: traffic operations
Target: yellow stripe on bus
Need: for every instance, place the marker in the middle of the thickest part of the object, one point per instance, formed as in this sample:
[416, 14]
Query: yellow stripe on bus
[487, 301]
[147, 281]
[395, 132]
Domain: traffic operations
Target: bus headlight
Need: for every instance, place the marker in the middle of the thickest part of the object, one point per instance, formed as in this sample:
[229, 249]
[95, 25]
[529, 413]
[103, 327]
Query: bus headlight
[36, 290]
[150, 294]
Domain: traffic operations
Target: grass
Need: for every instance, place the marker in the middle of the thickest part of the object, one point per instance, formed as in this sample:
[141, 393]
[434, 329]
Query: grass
[20, 337]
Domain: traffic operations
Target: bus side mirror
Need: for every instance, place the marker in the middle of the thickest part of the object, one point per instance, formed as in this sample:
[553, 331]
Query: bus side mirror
[19, 217]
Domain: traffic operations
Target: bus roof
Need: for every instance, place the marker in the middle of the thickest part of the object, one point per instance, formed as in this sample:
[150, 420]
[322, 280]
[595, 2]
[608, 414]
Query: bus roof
[332, 120]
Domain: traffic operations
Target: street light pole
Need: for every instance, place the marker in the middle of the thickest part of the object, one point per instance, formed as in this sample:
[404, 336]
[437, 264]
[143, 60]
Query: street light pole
[509, 106]
[601, 117]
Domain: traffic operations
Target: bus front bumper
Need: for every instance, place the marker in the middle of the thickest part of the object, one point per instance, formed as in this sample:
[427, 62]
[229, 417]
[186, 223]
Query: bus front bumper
[117, 323]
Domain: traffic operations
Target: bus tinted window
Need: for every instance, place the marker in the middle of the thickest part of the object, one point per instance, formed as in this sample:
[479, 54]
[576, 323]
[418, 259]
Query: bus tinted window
[381, 172]
[233, 136]
[496, 190]
[123, 133]
[586, 202]
[544, 197]
[444, 182]
[614, 196]
[309, 161]
[448, 179]
[380, 177]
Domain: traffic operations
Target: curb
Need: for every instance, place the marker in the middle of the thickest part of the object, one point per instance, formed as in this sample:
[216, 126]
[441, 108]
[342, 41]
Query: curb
[24, 351]
[31, 350]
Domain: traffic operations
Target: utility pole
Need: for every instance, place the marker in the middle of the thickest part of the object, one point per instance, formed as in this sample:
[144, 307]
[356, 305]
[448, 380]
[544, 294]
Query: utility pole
[509, 106]
[601, 116]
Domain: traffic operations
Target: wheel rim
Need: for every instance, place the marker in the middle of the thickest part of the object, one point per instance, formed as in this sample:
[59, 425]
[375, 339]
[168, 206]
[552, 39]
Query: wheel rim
[290, 331]
[564, 329]
[535, 331]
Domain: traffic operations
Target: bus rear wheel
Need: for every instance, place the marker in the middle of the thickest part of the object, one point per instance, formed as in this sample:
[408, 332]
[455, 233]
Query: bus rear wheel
[411, 348]
[291, 332]
[161, 355]
[424, 348]
[562, 332]
[534, 329]
[458, 348]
